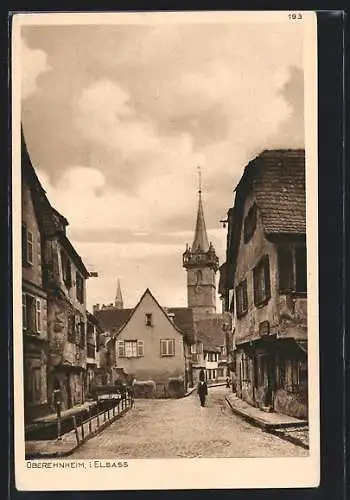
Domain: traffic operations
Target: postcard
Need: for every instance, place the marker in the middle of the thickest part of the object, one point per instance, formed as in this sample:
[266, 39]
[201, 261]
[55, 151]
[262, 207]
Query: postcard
[165, 255]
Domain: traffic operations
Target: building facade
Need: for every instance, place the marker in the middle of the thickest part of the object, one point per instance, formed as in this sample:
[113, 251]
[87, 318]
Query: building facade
[148, 343]
[67, 318]
[34, 301]
[61, 311]
[268, 289]
[93, 332]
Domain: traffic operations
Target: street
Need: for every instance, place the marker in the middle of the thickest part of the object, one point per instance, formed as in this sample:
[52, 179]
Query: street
[181, 428]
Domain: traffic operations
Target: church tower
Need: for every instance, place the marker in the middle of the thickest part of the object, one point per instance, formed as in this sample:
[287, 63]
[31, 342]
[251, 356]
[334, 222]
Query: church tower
[201, 264]
[118, 303]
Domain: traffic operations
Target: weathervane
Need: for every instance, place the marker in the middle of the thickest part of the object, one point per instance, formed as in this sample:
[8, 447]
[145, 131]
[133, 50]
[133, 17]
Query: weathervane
[199, 180]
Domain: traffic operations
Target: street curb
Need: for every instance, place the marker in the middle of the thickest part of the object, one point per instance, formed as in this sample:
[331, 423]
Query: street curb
[191, 391]
[290, 439]
[270, 428]
[254, 421]
[261, 423]
[33, 456]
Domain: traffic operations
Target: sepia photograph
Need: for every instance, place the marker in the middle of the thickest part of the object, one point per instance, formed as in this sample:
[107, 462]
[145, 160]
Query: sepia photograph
[164, 177]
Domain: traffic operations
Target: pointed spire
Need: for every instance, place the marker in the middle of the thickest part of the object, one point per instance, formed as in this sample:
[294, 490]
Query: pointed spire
[119, 298]
[200, 242]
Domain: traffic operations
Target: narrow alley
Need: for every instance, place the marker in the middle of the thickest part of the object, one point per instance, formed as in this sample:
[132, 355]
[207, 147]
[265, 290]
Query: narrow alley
[183, 429]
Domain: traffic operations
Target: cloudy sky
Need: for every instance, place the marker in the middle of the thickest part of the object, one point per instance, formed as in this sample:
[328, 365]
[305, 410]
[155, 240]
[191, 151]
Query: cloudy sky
[117, 119]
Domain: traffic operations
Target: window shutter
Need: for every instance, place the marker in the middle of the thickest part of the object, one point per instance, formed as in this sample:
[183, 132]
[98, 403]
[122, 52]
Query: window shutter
[285, 269]
[245, 295]
[172, 347]
[38, 315]
[256, 285]
[121, 349]
[30, 245]
[267, 278]
[24, 310]
[140, 348]
[163, 348]
[24, 243]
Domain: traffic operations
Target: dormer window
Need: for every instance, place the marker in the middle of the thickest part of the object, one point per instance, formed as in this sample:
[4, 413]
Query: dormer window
[27, 246]
[149, 318]
[250, 223]
[66, 269]
[79, 287]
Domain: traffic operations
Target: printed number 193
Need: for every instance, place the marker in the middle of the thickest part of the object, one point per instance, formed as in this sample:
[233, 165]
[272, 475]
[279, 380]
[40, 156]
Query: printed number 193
[295, 16]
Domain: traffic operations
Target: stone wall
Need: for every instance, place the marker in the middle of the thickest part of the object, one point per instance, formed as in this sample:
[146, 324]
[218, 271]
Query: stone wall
[295, 405]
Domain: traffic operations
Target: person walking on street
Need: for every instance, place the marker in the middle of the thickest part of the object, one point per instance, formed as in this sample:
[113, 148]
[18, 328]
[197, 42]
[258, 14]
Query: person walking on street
[202, 389]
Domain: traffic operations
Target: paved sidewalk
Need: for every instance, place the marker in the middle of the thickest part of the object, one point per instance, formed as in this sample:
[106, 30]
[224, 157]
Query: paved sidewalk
[51, 448]
[260, 418]
[54, 448]
[52, 417]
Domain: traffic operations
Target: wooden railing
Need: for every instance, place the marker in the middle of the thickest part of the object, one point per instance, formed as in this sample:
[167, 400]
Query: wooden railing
[91, 426]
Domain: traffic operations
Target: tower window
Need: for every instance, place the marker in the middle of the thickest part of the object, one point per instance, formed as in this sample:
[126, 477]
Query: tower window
[149, 319]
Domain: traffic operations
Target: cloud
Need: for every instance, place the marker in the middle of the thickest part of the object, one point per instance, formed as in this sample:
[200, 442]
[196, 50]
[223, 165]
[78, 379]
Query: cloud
[34, 63]
[127, 113]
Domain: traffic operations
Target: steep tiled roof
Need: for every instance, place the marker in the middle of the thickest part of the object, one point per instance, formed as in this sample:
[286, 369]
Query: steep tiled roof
[210, 333]
[277, 179]
[184, 321]
[112, 320]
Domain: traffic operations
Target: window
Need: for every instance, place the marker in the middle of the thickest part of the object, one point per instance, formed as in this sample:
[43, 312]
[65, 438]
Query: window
[31, 313]
[80, 288]
[261, 278]
[130, 348]
[82, 334]
[250, 223]
[223, 351]
[300, 269]
[241, 298]
[66, 269]
[167, 347]
[285, 269]
[38, 315]
[90, 350]
[149, 319]
[193, 349]
[71, 328]
[292, 269]
[27, 245]
[212, 356]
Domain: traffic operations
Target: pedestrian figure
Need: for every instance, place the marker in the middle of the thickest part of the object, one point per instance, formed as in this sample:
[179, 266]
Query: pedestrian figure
[202, 389]
[228, 382]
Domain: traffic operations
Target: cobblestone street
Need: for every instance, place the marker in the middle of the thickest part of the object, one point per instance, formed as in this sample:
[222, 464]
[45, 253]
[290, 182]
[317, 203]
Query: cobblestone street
[182, 428]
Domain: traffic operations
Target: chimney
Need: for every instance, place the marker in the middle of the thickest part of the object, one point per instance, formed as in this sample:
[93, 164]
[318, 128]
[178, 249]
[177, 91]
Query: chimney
[171, 317]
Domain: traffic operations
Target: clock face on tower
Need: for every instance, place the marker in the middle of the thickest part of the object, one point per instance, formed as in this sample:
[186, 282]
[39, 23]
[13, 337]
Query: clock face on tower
[199, 277]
